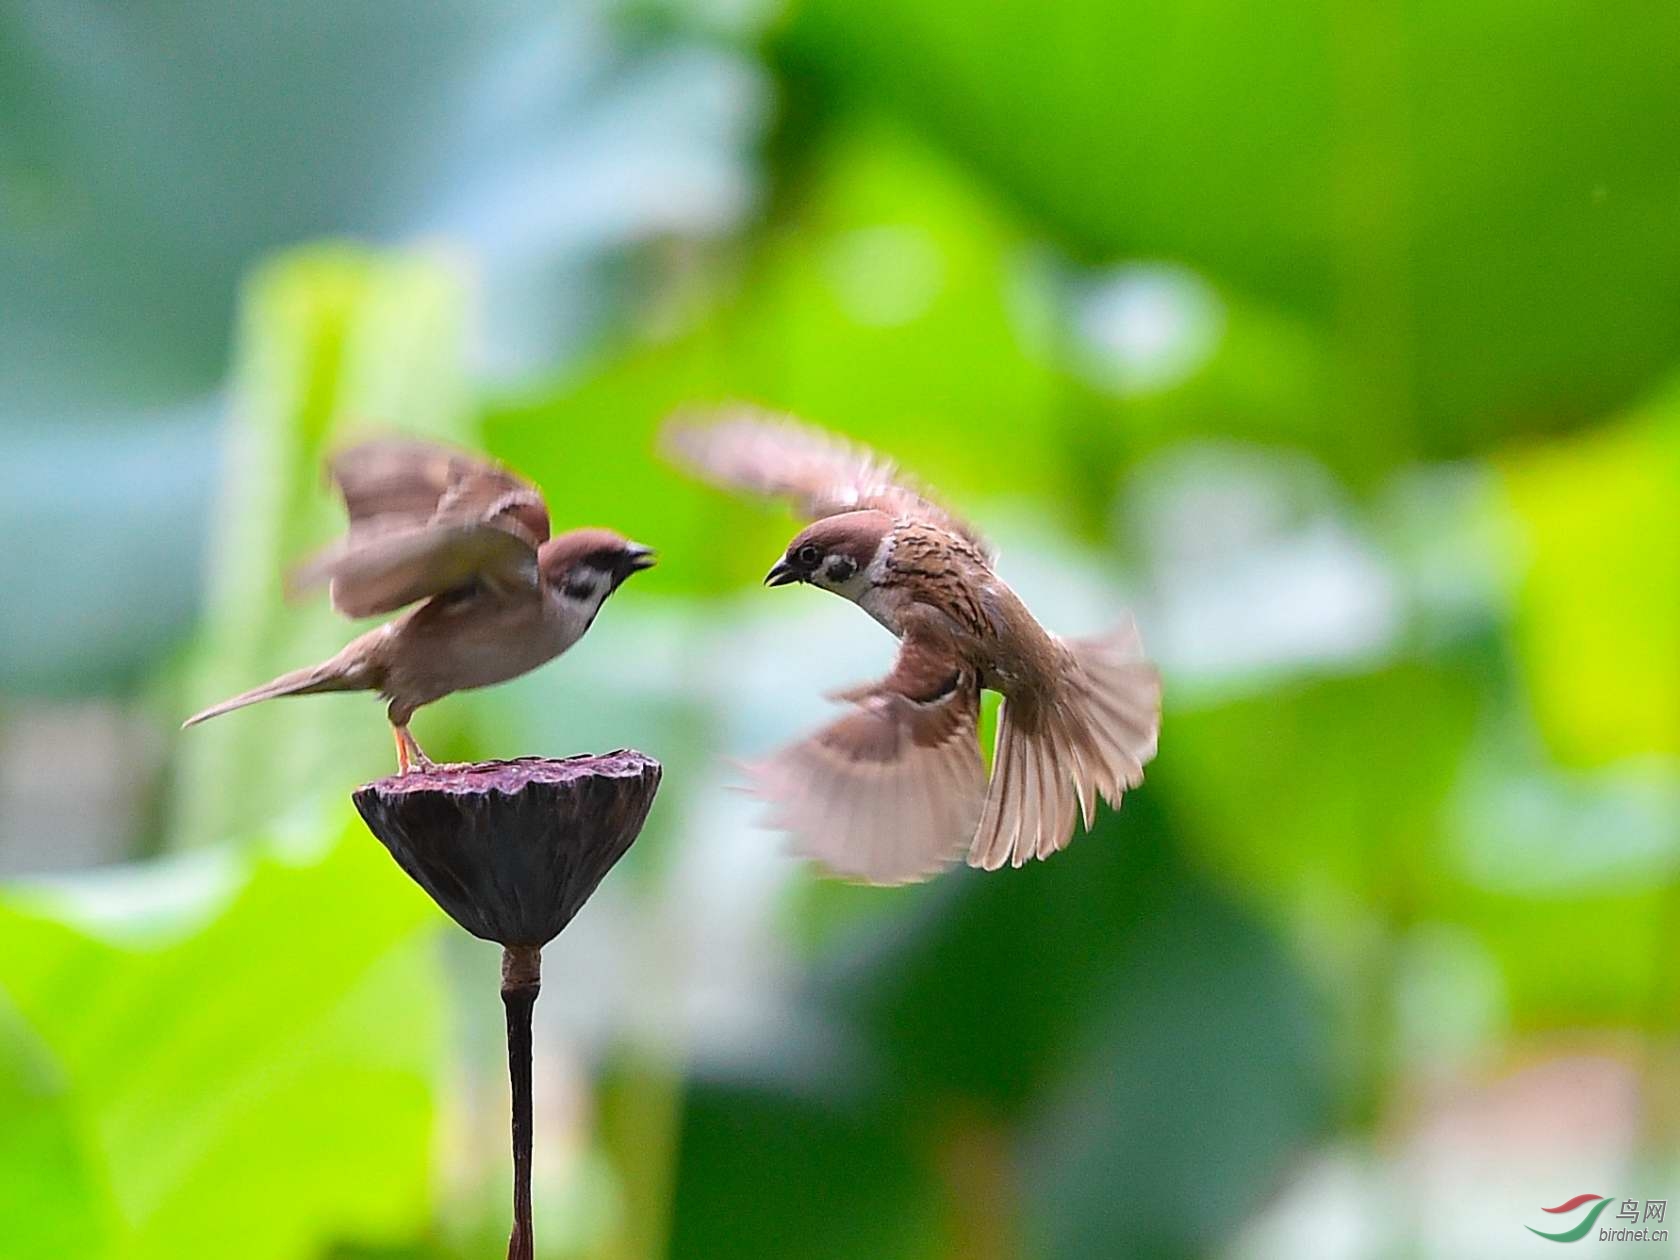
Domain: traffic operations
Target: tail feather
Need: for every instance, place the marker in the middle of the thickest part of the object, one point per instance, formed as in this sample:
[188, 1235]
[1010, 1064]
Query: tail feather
[1092, 739]
[327, 676]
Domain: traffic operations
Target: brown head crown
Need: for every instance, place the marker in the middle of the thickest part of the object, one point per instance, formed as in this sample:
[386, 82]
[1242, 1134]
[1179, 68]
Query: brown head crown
[833, 550]
[589, 555]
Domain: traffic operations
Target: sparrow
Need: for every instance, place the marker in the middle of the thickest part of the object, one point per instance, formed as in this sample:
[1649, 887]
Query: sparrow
[467, 544]
[894, 789]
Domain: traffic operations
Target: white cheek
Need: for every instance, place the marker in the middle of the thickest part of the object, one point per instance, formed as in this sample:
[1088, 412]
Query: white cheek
[851, 588]
[877, 600]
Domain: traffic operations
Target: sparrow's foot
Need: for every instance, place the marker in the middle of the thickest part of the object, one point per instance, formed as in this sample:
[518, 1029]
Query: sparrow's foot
[409, 754]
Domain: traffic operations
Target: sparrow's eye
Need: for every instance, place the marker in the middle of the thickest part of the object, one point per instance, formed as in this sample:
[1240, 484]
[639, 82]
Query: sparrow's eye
[808, 555]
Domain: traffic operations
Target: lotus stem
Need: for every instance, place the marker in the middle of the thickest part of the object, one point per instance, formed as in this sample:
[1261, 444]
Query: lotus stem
[521, 982]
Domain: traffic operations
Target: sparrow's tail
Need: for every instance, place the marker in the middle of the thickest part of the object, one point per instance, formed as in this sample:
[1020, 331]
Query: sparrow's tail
[1091, 738]
[333, 675]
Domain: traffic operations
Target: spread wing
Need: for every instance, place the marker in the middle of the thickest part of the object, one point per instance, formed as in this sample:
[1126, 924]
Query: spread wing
[383, 572]
[892, 791]
[425, 519]
[741, 448]
[390, 483]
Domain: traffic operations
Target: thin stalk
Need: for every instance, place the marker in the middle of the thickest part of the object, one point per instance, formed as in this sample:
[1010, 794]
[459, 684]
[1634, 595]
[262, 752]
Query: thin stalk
[521, 981]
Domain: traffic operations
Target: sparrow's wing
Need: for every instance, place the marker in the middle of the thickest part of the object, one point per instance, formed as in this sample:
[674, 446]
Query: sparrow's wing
[892, 791]
[425, 519]
[391, 483]
[755, 451]
[382, 571]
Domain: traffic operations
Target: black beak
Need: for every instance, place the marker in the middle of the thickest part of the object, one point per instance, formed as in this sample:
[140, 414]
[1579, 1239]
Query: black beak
[636, 558]
[782, 573]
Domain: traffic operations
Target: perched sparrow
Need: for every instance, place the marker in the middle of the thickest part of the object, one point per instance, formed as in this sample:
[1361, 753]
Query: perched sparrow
[470, 540]
[895, 788]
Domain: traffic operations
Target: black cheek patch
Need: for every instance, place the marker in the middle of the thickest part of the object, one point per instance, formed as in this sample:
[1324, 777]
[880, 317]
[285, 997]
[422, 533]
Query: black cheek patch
[841, 568]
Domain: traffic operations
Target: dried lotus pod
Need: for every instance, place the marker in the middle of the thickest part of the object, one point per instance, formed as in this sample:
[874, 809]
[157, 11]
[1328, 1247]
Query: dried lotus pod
[511, 850]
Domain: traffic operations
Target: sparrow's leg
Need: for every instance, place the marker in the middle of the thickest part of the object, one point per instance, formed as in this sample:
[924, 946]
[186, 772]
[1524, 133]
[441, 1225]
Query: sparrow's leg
[409, 754]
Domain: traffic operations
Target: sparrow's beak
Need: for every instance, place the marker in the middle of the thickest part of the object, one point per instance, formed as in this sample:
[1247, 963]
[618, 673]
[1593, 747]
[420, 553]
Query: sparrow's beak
[781, 574]
[637, 558]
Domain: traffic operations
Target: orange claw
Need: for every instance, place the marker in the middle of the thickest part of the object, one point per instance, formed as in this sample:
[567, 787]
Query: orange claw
[409, 753]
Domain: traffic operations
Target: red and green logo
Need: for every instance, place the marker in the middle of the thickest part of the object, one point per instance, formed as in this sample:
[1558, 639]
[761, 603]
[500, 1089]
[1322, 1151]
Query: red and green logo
[1579, 1231]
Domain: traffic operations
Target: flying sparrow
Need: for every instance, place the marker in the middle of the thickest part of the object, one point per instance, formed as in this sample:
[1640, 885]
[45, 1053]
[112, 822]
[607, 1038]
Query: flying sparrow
[895, 788]
[467, 542]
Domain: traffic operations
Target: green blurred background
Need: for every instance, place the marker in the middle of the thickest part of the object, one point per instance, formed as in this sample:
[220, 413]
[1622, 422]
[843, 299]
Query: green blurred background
[1340, 341]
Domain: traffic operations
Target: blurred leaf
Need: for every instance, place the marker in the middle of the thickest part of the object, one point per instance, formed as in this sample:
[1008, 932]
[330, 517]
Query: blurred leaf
[1263, 376]
[1162, 1139]
[1598, 612]
[776, 1174]
[1344, 818]
[639, 1103]
[152, 155]
[52, 1200]
[1450, 192]
[104, 525]
[1109, 983]
[1078, 919]
[146, 175]
[1569, 880]
[1329, 784]
[1585, 959]
[263, 1082]
[1004, 1032]
[334, 343]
